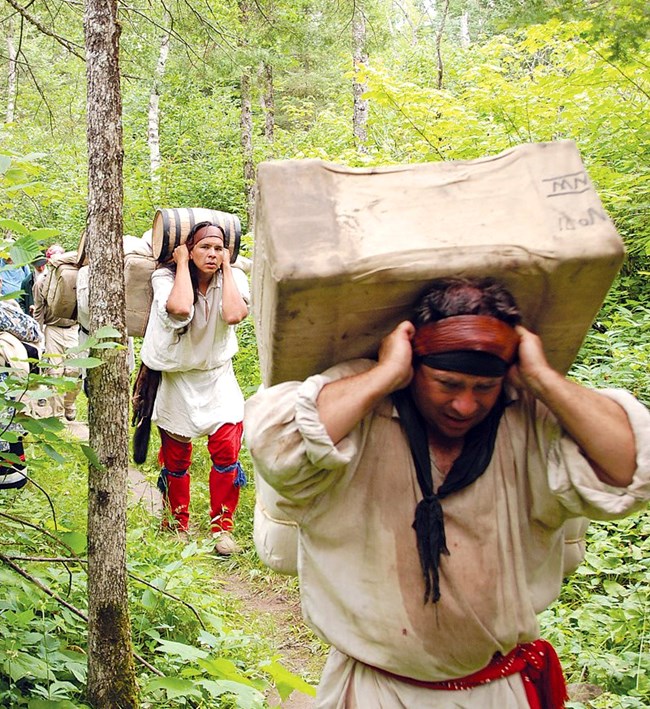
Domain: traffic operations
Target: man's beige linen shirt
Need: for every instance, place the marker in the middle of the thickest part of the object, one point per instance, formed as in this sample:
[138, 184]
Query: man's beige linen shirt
[360, 578]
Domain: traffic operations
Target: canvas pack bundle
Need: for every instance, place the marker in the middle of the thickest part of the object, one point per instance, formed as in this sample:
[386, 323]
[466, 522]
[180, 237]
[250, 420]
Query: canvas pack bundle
[139, 264]
[139, 293]
[275, 535]
[61, 290]
[342, 254]
[60, 287]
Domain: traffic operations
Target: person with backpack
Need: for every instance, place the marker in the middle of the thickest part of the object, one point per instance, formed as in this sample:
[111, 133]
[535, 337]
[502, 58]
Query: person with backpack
[11, 277]
[60, 334]
[26, 299]
[20, 340]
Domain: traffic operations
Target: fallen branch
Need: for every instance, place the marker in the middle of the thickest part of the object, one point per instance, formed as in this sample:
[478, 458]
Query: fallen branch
[38, 528]
[39, 584]
[138, 579]
[48, 591]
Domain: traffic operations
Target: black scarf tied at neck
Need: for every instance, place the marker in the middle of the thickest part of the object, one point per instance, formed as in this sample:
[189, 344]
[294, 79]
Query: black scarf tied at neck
[469, 466]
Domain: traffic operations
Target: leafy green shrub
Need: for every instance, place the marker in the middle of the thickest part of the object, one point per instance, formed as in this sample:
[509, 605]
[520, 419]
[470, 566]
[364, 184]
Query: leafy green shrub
[599, 624]
[616, 351]
[182, 623]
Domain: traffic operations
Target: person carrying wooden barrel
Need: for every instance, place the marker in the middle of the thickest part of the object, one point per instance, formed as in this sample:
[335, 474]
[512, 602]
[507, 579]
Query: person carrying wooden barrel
[432, 489]
[190, 338]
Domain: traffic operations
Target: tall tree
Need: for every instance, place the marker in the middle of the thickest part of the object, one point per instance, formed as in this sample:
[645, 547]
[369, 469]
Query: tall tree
[439, 35]
[246, 120]
[464, 30]
[154, 108]
[12, 74]
[111, 673]
[359, 59]
[268, 100]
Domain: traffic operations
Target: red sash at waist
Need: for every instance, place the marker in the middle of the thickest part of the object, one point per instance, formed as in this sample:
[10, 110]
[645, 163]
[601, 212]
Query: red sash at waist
[537, 662]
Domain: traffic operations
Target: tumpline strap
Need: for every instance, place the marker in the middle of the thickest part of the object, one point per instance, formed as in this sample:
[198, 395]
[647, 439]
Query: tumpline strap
[470, 465]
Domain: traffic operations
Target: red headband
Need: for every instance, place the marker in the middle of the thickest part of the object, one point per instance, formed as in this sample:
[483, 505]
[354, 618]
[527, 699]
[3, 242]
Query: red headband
[476, 333]
[203, 233]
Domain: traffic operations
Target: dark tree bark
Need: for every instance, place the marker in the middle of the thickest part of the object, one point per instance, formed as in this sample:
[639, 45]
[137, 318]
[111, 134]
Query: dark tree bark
[439, 34]
[111, 673]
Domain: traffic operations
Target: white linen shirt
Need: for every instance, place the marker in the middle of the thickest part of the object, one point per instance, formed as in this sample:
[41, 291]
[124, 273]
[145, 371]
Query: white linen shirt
[209, 341]
[198, 391]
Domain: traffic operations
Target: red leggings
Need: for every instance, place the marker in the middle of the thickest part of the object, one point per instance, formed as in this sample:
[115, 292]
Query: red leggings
[225, 475]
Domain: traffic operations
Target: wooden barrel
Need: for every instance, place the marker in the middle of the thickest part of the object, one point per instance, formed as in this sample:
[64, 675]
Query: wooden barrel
[171, 227]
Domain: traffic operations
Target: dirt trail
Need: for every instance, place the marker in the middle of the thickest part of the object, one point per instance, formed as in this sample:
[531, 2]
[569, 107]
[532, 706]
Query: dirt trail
[276, 614]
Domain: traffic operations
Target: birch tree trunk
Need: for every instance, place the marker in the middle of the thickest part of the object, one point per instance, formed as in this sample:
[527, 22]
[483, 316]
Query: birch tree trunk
[12, 74]
[464, 30]
[111, 674]
[360, 105]
[246, 123]
[153, 135]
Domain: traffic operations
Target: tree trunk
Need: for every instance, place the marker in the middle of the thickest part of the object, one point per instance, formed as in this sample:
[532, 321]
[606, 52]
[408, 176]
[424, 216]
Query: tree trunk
[153, 135]
[359, 58]
[111, 673]
[246, 124]
[12, 74]
[464, 30]
[441, 29]
[268, 101]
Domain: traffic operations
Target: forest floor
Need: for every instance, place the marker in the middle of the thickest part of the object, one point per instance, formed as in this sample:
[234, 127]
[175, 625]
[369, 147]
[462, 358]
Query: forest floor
[270, 609]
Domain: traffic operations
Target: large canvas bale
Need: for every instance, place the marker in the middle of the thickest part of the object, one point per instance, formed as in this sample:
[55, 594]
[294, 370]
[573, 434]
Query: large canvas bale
[341, 254]
[138, 269]
[60, 286]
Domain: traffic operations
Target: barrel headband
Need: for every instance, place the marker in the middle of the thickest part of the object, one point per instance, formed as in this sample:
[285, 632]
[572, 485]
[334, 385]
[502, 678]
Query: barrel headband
[203, 233]
[471, 333]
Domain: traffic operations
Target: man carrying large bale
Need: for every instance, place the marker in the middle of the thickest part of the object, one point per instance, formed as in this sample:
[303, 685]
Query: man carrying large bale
[431, 489]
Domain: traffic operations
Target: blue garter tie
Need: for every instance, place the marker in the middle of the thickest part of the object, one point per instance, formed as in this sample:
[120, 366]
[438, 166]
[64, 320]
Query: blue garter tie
[162, 478]
[240, 479]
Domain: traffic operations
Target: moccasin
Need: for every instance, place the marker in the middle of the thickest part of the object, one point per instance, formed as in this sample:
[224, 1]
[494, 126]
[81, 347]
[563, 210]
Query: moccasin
[225, 545]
